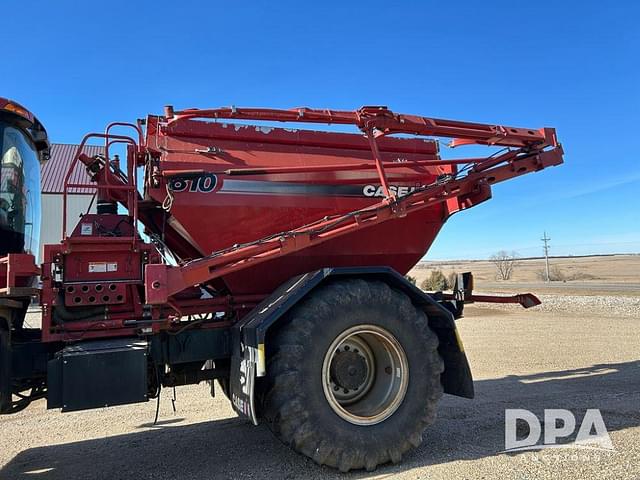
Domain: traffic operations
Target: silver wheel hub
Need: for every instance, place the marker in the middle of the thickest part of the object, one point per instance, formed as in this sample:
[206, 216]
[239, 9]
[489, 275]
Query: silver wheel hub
[365, 374]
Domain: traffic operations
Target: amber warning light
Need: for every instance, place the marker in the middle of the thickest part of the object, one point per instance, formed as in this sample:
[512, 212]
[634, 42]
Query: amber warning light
[17, 109]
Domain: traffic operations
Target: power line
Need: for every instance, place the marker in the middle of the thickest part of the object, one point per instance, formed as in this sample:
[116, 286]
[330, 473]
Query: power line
[546, 247]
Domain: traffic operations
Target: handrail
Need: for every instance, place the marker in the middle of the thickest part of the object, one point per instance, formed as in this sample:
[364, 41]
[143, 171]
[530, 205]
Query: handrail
[66, 185]
[127, 124]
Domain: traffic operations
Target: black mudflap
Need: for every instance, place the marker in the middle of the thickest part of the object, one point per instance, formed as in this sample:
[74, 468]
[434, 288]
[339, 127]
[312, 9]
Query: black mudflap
[242, 379]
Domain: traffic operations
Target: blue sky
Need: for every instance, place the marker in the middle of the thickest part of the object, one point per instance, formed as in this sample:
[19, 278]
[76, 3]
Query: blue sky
[572, 65]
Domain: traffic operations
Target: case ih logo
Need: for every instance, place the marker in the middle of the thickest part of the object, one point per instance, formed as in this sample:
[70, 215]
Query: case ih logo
[205, 183]
[377, 191]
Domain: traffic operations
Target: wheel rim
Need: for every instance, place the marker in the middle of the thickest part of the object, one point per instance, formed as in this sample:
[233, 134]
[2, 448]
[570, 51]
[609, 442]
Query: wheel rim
[365, 374]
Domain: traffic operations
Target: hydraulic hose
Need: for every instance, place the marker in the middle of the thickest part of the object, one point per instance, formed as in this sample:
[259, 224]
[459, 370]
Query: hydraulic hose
[62, 314]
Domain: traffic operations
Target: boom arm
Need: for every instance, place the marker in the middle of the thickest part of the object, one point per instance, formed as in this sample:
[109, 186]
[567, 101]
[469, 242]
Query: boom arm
[383, 121]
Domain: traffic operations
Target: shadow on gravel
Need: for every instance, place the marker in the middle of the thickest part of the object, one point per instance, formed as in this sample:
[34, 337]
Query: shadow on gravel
[232, 448]
[161, 423]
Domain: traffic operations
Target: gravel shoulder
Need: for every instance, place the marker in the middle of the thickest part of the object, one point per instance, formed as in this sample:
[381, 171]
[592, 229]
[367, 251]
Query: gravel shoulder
[585, 356]
[596, 305]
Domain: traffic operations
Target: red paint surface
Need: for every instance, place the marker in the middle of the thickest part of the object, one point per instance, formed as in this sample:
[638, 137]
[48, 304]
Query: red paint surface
[219, 219]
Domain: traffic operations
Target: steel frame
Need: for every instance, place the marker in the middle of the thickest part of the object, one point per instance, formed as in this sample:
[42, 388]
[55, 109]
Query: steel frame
[17, 270]
[527, 150]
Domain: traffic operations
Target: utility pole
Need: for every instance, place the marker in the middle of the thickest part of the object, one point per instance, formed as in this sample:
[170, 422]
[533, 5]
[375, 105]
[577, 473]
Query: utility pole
[546, 239]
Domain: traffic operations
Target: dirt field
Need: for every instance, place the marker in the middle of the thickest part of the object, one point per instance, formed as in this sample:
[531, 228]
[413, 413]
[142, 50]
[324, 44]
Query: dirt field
[600, 275]
[531, 359]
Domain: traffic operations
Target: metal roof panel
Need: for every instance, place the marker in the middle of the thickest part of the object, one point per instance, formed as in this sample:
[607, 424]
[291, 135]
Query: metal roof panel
[55, 169]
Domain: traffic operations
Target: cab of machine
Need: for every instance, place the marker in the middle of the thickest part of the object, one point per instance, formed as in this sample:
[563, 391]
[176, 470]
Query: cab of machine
[23, 147]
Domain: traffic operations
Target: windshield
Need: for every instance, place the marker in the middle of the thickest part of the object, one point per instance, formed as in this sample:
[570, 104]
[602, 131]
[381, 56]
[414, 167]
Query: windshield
[19, 193]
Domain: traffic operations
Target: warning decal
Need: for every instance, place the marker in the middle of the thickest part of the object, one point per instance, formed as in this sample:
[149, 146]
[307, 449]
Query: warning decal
[101, 267]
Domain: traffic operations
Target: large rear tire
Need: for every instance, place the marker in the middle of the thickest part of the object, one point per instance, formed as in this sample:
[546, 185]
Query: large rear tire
[353, 376]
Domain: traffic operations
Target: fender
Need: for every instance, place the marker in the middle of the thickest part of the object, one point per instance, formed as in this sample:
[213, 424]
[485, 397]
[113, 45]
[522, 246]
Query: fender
[250, 334]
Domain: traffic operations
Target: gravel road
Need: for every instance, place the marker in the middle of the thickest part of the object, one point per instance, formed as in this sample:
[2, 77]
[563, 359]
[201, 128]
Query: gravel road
[536, 359]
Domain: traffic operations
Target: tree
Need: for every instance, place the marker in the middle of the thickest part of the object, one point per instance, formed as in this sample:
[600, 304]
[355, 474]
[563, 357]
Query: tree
[435, 282]
[411, 279]
[451, 279]
[505, 263]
